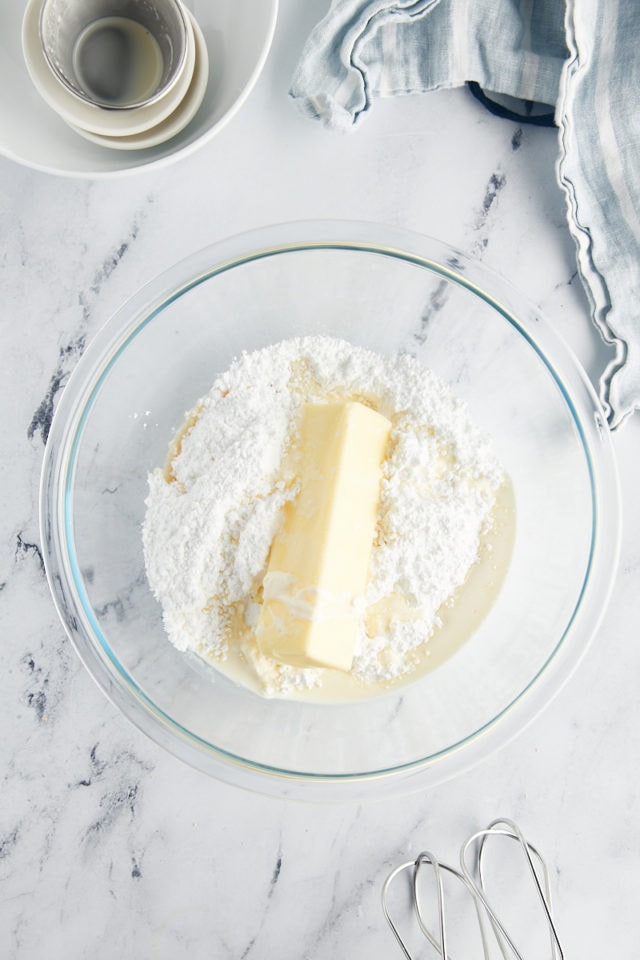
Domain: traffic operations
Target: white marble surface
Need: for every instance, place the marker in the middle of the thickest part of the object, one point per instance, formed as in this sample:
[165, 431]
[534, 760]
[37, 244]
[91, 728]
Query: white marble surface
[108, 846]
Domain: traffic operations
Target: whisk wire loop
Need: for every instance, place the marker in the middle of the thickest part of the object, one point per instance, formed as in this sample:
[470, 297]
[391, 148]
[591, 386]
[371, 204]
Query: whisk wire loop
[439, 940]
[472, 876]
[536, 867]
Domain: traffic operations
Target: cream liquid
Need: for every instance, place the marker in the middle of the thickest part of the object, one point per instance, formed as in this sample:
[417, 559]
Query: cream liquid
[460, 616]
[117, 61]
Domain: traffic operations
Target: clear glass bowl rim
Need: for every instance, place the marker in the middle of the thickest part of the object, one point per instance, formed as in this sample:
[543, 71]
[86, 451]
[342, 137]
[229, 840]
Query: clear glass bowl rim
[66, 434]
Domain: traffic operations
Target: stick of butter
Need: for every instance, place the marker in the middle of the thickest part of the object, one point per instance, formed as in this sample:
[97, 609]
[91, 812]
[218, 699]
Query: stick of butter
[319, 559]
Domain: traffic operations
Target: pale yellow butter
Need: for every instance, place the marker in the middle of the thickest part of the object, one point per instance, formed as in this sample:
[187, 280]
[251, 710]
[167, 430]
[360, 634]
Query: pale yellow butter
[319, 560]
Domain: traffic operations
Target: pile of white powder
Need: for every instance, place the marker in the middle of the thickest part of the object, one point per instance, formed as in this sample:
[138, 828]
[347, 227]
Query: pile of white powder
[212, 515]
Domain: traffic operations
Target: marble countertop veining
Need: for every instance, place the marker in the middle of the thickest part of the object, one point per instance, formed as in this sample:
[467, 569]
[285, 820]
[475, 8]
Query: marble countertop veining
[108, 846]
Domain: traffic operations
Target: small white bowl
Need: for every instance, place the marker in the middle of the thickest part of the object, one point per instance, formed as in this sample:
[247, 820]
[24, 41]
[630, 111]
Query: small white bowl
[177, 120]
[238, 34]
[73, 34]
[95, 119]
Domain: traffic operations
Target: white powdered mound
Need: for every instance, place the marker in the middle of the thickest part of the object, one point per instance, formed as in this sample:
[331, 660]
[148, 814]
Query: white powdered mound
[212, 516]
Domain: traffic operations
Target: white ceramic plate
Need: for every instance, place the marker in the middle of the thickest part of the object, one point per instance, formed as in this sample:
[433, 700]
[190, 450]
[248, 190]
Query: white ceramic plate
[176, 121]
[238, 34]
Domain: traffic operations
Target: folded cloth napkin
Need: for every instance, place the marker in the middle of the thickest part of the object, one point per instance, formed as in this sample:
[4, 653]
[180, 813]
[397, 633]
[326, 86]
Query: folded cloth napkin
[578, 56]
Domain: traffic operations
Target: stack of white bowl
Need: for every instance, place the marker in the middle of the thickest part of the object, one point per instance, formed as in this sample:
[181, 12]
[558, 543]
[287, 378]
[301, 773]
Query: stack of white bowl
[126, 74]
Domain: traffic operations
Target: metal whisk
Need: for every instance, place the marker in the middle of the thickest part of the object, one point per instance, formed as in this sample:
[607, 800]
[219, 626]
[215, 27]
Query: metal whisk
[493, 933]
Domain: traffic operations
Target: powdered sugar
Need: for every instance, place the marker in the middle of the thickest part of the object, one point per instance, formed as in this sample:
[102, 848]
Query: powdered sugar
[211, 517]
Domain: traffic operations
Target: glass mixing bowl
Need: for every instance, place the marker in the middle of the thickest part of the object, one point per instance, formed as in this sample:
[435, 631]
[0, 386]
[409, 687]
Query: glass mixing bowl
[389, 291]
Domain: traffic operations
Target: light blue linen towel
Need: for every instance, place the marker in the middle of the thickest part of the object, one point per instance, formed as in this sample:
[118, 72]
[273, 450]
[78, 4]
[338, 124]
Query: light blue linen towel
[581, 57]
